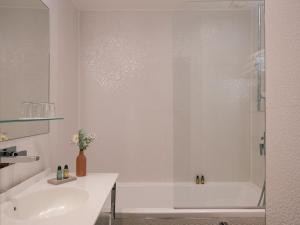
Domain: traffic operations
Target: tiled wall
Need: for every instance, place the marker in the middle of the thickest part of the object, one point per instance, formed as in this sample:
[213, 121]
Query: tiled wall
[130, 87]
[126, 93]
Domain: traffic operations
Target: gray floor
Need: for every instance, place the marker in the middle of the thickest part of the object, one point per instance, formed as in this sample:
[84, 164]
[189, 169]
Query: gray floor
[133, 220]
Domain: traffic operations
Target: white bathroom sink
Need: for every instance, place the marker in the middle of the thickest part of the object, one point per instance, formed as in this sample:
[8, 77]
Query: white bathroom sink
[46, 203]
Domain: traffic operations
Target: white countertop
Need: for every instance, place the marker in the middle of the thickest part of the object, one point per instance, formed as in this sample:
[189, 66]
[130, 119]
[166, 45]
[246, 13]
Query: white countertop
[98, 186]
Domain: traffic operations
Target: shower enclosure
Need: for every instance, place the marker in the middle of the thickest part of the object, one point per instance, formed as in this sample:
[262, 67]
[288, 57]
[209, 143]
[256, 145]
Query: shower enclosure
[219, 105]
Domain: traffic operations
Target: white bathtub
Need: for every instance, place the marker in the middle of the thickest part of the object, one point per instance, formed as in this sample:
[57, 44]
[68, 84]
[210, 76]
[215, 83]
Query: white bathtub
[213, 199]
[216, 195]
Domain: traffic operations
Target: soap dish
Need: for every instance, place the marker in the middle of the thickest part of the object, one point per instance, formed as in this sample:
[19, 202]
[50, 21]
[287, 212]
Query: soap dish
[54, 181]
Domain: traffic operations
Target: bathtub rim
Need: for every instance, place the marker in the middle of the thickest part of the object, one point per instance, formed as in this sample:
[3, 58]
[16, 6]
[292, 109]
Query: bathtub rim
[170, 212]
[189, 213]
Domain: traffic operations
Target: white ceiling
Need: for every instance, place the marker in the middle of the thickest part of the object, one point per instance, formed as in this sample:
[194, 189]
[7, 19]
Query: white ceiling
[126, 4]
[155, 4]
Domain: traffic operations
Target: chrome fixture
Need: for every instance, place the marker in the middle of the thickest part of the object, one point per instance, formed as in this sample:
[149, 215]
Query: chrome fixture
[262, 146]
[10, 156]
[262, 198]
[262, 150]
[259, 60]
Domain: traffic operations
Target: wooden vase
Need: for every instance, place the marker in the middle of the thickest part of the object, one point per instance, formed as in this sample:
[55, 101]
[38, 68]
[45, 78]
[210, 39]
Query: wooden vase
[81, 164]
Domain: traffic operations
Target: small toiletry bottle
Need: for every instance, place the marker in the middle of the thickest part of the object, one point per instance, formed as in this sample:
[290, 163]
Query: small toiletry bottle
[66, 172]
[197, 179]
[202, 179]
[59, 174]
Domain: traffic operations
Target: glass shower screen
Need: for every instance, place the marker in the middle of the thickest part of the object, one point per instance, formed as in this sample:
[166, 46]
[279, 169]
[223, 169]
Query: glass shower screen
[219, 118]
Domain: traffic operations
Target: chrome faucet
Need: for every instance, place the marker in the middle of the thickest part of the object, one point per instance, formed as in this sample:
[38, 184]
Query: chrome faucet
[10, 156]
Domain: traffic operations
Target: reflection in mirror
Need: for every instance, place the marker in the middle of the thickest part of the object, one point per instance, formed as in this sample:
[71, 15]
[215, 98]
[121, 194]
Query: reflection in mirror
[24, 64]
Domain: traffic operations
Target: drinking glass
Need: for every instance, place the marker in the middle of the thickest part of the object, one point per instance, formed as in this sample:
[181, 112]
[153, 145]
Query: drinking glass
[27, 110]
[48, 109]
[51, 110]
[37, 110]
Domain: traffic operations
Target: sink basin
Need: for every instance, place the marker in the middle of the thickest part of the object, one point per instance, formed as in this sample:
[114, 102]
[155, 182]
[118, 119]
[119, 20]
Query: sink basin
[46, 203]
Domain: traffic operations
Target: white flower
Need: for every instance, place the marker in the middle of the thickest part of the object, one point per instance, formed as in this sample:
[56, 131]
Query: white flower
[82, 139]
[3, 137]
[75, 139]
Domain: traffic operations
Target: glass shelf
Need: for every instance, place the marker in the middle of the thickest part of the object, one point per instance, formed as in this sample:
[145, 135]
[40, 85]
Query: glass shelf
[22, 120]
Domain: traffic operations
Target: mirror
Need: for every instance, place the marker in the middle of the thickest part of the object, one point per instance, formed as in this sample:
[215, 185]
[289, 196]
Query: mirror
[24, 65]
